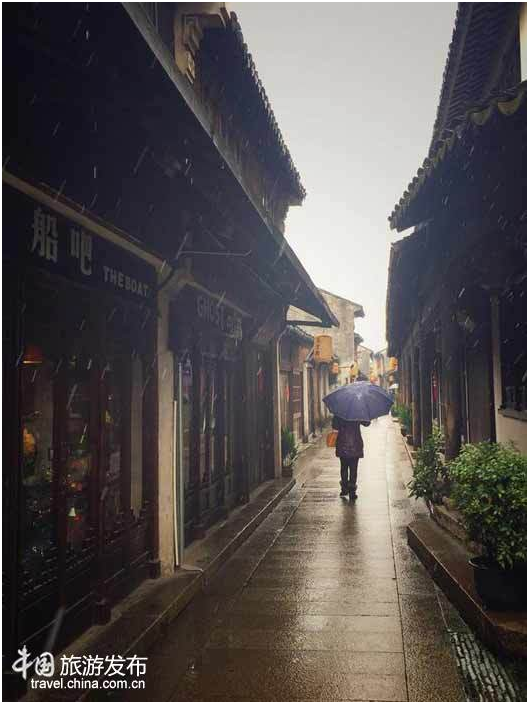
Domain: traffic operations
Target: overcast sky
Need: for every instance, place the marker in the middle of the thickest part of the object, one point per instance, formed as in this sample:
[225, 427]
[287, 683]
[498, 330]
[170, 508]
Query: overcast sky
[354, 88]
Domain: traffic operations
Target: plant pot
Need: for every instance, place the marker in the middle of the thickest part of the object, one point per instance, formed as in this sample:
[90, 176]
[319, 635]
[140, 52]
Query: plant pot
[409, 439]
[500, 589]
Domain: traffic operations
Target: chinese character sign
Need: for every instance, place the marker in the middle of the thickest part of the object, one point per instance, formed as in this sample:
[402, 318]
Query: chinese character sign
[44, 238]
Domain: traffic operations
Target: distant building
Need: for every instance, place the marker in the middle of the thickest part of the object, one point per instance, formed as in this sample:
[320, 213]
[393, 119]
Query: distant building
[343, 337]
[364, 359]
[386, 370]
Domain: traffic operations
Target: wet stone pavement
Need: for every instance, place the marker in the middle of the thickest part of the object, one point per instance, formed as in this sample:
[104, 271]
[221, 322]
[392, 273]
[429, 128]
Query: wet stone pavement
[325, 601]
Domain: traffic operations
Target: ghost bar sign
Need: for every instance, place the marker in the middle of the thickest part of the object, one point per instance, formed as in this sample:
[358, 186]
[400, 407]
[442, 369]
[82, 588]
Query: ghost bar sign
[61, 246]
[197, 315]
[214, 313]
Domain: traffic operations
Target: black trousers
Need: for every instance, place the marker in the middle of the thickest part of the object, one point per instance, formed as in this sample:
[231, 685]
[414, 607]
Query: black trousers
[348, 470]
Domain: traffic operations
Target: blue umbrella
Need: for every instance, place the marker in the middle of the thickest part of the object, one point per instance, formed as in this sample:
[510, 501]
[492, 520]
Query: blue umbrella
[359, 401]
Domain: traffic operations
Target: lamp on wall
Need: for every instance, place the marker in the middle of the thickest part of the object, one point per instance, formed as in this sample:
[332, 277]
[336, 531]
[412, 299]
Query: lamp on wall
[32, 355]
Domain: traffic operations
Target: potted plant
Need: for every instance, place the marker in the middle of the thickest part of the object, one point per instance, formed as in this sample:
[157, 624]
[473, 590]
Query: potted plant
[403, 413]
[289, 449]
[430, 475]
[489, 489]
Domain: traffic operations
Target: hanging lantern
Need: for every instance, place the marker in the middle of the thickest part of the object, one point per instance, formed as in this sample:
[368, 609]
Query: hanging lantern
[72, 513]
[323, 348]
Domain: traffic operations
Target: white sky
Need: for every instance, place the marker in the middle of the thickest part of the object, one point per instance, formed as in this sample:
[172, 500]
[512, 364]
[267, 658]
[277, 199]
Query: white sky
[354, 88]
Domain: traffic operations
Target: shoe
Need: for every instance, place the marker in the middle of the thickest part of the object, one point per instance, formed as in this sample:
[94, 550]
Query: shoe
[352, 493]
[343, 492]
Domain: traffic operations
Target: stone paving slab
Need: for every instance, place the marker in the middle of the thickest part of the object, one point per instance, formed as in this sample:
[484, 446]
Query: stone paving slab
[293, 676]
[324, 602]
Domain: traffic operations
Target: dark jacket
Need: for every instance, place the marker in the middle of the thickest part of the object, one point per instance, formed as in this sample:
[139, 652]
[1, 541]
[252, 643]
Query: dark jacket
[349, 442]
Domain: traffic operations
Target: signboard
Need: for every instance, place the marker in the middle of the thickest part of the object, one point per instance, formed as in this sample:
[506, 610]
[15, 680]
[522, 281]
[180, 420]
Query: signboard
[39, 236]
[196, 314]
[214, 313]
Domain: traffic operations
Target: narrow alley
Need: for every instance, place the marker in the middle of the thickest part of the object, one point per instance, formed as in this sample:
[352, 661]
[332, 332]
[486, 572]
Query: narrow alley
[324, 602]
[218, 287]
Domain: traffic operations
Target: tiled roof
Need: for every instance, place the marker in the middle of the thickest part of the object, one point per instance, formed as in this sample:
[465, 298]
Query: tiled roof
[302, 335]
[359, 313]
[500, 107]
[481, 28]
[235, 27]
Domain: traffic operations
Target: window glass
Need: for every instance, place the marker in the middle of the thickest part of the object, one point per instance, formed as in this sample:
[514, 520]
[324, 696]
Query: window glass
[76, 450]
[37, 517]
[187, 413]
[136, 435]
[203, 424]
[112, 457]
[212, 404]
[513, 322]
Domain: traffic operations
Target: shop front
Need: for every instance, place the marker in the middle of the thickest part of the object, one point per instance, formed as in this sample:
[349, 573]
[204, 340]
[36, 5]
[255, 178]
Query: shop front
[224, 382]
[80, 423]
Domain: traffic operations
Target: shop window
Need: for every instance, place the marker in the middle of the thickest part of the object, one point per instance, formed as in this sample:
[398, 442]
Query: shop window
[228, 420]
[513, 348]
[136, 436]
[203, 472]
[77, 451]
[38, 523]
[212, 420]
[187, 419]
[112, 453]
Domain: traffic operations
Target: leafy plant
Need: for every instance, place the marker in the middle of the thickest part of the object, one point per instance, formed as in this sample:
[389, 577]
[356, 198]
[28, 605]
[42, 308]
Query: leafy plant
[405, 417]
[289, 448]
[403, 413]
[430, 475]
[489, 489]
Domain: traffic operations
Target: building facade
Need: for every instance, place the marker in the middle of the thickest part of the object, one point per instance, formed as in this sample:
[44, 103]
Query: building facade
[147, 282]
[297, 384]
[386, 370]
[364, 361]
[344, 338]
[456, 306]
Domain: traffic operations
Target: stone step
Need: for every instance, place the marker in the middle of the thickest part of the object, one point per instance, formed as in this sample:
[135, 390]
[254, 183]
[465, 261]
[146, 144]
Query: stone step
[446, 559]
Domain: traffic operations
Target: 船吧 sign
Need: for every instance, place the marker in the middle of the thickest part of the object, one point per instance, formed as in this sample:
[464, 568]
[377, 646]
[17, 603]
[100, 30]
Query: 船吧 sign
[48, 240]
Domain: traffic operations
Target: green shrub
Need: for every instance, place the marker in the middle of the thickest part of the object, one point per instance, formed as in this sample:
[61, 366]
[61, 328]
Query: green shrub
[405, 418]
[489, 489]
[289, 448]
[430, 476]
[403, 413]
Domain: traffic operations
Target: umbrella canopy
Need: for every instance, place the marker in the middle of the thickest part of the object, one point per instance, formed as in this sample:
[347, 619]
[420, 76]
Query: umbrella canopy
[359, 401]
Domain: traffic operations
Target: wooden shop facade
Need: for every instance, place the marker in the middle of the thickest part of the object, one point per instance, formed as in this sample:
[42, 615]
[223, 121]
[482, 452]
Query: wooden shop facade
[145, 270]
[456, 306]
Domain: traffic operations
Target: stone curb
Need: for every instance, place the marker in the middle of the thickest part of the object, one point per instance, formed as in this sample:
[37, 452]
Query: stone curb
[447, 562]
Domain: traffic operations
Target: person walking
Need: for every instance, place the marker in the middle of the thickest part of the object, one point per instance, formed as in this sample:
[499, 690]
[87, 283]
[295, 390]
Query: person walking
[349, 449]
